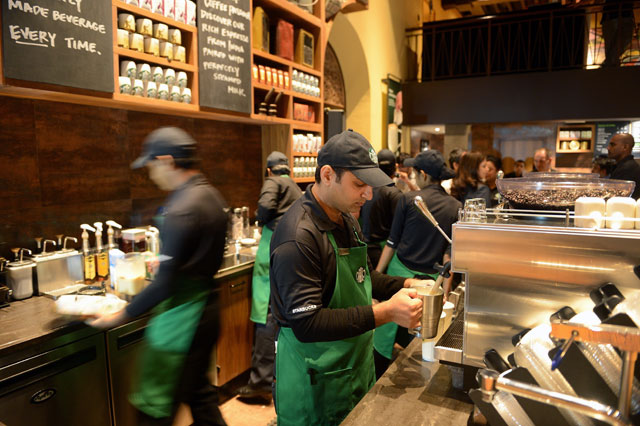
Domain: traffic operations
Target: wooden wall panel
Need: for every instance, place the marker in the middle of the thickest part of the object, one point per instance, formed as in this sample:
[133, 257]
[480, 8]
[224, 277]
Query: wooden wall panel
[63, 164]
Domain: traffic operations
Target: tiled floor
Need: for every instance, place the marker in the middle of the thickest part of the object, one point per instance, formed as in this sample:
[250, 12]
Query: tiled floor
[236, 413]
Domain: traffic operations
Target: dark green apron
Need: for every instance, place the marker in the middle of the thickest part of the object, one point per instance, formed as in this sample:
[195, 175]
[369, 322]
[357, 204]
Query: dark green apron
[319, 383]
[260, 286]
[385, 336]
[168, 338]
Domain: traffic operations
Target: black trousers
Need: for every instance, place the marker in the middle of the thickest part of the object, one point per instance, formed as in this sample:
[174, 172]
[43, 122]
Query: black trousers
[264, 354]
[194, 388]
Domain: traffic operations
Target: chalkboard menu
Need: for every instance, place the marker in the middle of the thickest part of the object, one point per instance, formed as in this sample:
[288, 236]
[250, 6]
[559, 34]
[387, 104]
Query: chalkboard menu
[224, 54]
[604, 132]
[65, 42]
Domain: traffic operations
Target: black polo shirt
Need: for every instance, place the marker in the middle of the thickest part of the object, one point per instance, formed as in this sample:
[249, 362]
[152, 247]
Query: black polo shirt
[418, 243]
[377, 213]
[277, 194]
[192, 236]
[628, 169]
[303, 275]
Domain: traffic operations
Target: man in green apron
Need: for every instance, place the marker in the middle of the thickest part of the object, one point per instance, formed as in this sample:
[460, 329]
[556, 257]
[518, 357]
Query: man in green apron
[321, 290]
[376, 215]
[415, 245]
[184, 314]
[278, 193]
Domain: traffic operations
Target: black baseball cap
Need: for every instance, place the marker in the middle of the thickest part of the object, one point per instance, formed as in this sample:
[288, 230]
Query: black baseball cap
[276, 158]
[352, 151]
[166, 141]
[432, 163]
[386, 157]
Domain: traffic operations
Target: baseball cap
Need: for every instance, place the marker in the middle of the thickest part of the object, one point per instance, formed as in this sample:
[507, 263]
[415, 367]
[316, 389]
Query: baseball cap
[386, 157]
[166, 141]
[432, 163]
[350, 150]
[276, 158]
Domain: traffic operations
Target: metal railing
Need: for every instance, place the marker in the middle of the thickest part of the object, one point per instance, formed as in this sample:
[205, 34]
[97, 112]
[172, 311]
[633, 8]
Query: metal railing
[547, 40]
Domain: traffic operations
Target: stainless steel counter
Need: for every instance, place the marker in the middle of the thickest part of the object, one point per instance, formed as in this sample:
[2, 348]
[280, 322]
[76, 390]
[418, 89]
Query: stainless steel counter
[412, 392]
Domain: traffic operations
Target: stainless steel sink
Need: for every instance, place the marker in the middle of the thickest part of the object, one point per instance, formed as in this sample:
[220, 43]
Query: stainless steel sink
[233, 260]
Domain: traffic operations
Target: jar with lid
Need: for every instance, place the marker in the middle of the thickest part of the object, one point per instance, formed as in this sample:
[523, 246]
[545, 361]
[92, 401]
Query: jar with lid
[236, 224]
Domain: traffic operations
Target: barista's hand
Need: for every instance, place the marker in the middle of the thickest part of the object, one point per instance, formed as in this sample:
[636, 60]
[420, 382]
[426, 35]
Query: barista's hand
[109, 320]
[404, 308]
[415, 283]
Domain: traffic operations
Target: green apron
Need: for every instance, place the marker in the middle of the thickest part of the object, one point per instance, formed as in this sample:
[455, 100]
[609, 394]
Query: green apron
[168, 338]
[385, 335]
[319, 383]
[260, 286]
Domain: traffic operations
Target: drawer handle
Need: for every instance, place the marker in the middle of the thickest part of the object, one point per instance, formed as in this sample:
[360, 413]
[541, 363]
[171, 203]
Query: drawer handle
[237, 286]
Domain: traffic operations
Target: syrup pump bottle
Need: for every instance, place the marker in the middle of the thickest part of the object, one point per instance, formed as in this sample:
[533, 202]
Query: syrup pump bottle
[88, 258]
[102, 256]
[114, 252]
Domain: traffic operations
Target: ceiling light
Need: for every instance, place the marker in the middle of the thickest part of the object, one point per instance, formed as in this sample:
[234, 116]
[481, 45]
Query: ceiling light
[437, 129]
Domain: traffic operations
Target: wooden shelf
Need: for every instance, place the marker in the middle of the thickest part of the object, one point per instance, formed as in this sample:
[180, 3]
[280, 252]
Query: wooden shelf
[155, 102]
[282, 61]
[134, 54]
[154, 16]
[307, 127]
[290, 12]
[289, 92]
[301, 125]
[565, 140]
[569, 151]
[304, 154]
[309, 179]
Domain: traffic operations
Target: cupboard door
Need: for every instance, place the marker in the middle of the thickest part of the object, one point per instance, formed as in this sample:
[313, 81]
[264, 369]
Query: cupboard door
[235, 341]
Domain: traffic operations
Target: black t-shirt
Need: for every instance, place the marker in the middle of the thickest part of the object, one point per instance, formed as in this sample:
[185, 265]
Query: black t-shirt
[303, 275]
[377, 213]
[192, 235]
[278, 193]
[418, 243]
[628, 169]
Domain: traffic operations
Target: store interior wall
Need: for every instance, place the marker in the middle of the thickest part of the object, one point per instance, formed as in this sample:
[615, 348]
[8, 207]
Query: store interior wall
[62, 165]
[370, 45]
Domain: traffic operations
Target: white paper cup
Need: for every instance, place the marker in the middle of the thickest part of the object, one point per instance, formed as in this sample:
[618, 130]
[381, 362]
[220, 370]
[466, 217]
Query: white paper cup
[143, 72]
[128, 69]
[150, 89]
[137, 88]
[428, 347]
[163, 92]
[174, 95]
[169, 76]
[185, 96]
[124, 84]
[157, 75]
[181, 79]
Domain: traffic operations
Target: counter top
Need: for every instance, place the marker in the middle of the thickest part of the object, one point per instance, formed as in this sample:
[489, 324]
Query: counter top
[34, 321]
[412, 392]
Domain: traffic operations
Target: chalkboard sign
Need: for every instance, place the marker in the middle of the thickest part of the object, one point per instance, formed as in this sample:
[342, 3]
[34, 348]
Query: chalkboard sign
[604, 132]
[65, 42]
[224, 54]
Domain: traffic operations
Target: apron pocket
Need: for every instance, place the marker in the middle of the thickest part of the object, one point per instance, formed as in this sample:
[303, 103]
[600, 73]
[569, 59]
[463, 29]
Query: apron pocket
[332, 394]
[173, 330]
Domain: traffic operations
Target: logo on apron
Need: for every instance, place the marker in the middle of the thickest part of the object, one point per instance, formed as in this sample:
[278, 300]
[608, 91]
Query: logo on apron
[360, 275]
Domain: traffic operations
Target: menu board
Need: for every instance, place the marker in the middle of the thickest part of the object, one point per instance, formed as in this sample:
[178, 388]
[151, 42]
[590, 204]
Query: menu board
[65, 42]
[224, 54]
[604, 132]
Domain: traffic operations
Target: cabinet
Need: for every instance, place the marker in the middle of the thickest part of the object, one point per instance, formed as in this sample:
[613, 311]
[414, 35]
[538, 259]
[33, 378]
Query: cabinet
[298, 100]
[575, 138]
[235, 340]
[190, 67]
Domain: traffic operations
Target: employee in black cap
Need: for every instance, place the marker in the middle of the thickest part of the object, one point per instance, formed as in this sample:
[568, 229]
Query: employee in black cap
[322, 286]
[415, 245]
[376, 215]
[278, 193]
[184, 313]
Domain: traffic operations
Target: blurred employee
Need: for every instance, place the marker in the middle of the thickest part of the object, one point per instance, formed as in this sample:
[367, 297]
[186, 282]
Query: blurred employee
[321, 290]
[518, 170]
[278, 193]
[183, 327]
[542, 160]
[415, 245]
[377, 214]
[620, 149]
[405, 179]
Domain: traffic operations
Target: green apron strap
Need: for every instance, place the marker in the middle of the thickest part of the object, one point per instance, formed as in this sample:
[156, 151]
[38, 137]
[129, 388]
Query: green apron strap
[260, 285]
[319, 383]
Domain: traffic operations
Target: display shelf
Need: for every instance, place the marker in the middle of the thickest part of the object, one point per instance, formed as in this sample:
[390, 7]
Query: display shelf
[287, 63]
[289, 92]
[309, 179]
[161, 103]
[563, 143]
[307, 127]
[290, 12]
[304, 154]
[146, 57]
[154, 16]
